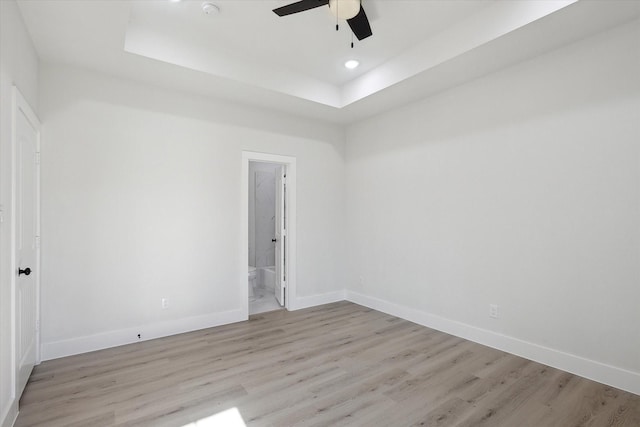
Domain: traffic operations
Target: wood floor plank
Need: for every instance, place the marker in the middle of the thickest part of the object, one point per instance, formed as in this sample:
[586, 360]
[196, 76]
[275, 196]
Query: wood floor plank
[338, 364]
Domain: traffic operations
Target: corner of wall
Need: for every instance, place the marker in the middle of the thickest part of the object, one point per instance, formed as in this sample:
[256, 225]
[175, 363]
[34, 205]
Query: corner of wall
[19, 67]
[591, 369]
[320, 299]
[11, 414]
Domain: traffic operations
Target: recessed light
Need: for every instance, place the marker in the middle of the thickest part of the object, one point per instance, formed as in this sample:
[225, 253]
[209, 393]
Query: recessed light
[175, 1]
[351, 64]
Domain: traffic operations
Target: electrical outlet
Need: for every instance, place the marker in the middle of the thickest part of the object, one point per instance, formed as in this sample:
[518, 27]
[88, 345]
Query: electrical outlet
[493, 311]
[164, 303]
[139, 336]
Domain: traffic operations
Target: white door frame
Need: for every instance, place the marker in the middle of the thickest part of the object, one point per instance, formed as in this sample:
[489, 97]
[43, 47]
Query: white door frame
[20, 105]
[290, 163]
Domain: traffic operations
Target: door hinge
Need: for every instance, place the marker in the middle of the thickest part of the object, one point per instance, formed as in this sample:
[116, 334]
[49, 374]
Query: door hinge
[37, 157]
[37, 242]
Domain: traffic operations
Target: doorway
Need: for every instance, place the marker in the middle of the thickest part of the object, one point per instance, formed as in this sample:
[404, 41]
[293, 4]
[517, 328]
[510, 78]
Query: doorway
[25, 237]
[269, 232]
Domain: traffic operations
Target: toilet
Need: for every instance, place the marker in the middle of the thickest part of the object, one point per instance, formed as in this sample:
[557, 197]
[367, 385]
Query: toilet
[252, 280]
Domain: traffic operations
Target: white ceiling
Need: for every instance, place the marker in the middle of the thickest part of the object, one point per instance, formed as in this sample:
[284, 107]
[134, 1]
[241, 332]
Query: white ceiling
[305, 43]
[249, 55]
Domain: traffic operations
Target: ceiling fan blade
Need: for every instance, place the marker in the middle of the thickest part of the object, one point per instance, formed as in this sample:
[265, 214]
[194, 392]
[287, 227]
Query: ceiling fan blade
[360, 25]
[300, 6]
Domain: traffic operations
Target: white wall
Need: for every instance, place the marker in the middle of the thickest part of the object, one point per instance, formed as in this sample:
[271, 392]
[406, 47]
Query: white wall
[141, 201]
[18, 66]
[520, 189]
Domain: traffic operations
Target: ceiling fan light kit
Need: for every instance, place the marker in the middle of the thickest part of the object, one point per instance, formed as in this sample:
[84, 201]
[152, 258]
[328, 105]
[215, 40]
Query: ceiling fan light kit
[344, 9]
[350, 10]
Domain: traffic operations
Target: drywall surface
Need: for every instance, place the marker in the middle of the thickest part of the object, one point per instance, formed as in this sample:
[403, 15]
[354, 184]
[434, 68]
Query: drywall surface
[19, 67]
[520, 189]
[141, 201]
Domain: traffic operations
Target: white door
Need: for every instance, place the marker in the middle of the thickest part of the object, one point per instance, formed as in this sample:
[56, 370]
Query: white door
[281, 235]
[26, 145]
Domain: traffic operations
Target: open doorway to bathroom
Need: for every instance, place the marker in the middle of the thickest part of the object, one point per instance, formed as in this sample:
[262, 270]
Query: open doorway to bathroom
[270, 233]
[267, 236]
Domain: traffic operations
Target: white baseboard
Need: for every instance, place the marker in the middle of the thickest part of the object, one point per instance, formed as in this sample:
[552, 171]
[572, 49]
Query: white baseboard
[85, 344]
[320, 299]
[597, 371]
[56, 349]
[10, 414]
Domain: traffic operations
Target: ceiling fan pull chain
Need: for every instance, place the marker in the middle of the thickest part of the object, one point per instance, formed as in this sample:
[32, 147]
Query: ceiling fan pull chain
[348, 10]
[351, 39]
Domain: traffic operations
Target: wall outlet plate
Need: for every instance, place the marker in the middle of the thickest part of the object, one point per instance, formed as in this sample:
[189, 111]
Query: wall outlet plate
[493, 311]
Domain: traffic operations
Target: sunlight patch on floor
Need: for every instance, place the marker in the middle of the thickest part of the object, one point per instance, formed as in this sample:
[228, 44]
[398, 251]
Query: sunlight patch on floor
[229, 418]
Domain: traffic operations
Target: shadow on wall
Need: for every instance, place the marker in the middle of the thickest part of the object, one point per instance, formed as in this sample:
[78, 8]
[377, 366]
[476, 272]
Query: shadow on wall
[141, 96]
[541, 86]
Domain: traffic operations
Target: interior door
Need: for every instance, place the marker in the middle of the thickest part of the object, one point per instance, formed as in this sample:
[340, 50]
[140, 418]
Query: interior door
[280, 235]
[26, 238]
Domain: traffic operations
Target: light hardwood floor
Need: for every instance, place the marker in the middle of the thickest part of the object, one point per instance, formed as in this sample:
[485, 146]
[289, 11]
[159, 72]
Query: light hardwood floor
[338, 364]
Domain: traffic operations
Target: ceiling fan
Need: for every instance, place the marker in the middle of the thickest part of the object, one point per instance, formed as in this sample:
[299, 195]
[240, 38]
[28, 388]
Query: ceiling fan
[350, 10]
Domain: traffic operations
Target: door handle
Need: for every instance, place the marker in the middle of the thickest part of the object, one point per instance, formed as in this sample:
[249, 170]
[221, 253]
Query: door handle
[274, 240]
[26, 271]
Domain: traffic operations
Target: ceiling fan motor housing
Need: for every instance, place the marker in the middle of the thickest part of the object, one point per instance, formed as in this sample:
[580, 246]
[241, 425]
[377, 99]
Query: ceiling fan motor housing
[349, 10]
